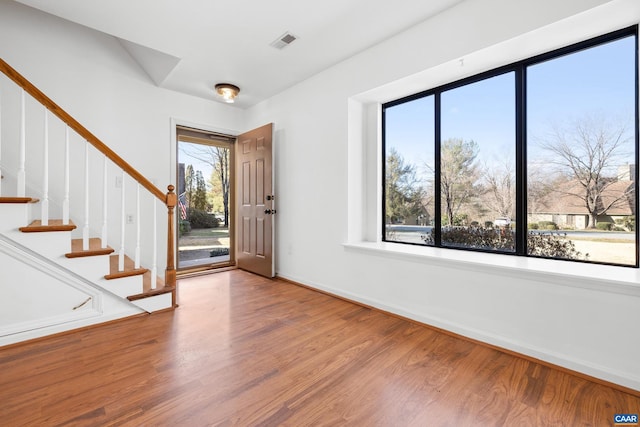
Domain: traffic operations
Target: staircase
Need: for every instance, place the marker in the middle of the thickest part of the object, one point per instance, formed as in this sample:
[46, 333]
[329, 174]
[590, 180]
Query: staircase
[78, 261]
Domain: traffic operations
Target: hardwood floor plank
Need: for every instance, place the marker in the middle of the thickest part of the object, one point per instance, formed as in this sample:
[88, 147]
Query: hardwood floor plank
[247, 351]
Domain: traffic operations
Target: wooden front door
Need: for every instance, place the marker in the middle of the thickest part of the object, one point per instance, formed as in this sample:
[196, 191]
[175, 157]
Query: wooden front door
[255, 201]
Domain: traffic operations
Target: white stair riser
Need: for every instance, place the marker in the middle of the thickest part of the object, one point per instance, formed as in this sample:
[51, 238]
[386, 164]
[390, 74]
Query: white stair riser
[51, 244]
[124, 286]
[154, 303]
[14, 215]
[92, 268]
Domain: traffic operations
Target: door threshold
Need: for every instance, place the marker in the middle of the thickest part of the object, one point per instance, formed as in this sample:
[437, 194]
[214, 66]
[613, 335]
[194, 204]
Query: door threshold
[184, 274]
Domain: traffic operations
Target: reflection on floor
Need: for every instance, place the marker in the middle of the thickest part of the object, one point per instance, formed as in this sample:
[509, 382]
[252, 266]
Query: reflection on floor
[197, 262]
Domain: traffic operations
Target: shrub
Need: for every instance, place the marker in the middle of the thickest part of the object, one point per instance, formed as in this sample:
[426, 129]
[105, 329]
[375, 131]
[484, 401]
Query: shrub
[532, 226]
[550, 245]
[478, 238]
[630, 223]
[547, 225]
[604, 225]
[488, 224]
[184, 226]
[201, 219]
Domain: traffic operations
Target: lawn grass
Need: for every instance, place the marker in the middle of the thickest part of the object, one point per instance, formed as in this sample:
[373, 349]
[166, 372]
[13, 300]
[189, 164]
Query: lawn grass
[598, 239]
[205, 237]
[206, 232]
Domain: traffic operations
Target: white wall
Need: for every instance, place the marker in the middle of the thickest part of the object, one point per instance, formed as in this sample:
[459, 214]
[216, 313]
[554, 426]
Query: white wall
[95, 80]
[328, 194]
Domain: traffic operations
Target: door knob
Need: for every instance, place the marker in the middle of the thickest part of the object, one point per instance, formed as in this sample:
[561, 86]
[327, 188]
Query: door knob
[269, 211]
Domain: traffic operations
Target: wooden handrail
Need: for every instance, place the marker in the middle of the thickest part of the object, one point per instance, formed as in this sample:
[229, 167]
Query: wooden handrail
[79, 129]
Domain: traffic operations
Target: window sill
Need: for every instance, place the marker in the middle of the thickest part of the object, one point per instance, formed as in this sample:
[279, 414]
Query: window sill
[621, 280]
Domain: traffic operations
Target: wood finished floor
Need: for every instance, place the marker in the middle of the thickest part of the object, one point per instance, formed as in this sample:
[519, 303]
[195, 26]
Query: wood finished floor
[242, 350]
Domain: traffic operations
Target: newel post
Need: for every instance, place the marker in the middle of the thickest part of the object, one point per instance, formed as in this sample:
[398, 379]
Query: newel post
[170, 273]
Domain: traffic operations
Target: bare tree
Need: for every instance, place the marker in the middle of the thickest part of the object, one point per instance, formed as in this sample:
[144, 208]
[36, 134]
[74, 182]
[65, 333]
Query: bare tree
[501, 188]
[539, 186]
[587, 151]
[218, 158]
[458, 175]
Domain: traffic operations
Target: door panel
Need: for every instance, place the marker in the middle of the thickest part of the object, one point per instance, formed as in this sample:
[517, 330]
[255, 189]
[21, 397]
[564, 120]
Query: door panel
[255, 203]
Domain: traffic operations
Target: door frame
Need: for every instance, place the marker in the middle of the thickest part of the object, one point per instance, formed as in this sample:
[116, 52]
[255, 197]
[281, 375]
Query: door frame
[173, 176]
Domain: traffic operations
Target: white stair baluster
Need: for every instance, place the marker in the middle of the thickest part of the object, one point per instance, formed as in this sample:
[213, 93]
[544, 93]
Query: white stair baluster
[65, 201]
[23, 141]
[104, 203]
[137, 260]
[154, 267]
[85, 229]
[45, 171]
[122, 224]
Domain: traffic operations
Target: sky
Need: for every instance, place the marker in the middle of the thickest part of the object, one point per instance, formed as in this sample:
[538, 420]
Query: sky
[597, 81]
[186, 153]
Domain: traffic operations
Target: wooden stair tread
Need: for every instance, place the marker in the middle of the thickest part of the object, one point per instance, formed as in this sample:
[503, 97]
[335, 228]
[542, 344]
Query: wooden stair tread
[95, 248]
[147, 291]
[160, 289]
[151, 293]
[54, 225]
[18, 200]
[128, 271]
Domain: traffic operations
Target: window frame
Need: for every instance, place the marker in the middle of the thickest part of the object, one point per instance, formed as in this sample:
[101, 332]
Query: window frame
[519, 69]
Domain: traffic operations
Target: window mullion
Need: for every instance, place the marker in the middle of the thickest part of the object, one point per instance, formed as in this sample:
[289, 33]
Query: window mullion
[437, 214]
[521, 161]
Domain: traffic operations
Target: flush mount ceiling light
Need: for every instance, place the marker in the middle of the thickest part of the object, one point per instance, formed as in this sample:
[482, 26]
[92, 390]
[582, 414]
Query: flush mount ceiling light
[227, 91]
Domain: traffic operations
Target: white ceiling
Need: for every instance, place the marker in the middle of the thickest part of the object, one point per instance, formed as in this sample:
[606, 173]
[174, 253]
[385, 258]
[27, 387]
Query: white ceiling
[190, 45]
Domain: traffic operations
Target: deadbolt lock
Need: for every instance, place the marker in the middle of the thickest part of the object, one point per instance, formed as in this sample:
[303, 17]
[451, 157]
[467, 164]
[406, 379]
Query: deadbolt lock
[271, 197]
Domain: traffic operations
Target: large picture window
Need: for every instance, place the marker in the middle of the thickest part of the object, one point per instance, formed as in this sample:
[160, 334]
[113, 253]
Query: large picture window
[538, 158]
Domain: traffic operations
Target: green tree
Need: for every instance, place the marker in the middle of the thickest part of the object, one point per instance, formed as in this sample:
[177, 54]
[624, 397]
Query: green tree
[404, 194]
[200, 192]
[458, 175]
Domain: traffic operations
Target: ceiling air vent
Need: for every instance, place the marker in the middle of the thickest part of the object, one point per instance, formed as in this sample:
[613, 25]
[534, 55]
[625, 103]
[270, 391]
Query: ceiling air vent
[284, 40]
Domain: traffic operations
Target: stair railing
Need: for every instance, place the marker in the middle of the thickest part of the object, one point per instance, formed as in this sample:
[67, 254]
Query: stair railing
[169, 199]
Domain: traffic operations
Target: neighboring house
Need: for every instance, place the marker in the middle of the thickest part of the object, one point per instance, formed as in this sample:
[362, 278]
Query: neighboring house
[564, 206]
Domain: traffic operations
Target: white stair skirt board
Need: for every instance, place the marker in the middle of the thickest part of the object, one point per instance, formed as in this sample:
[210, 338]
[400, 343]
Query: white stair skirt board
[41, 297]
[49, 299]
[124, 286]
[14, 215]
[154, 303]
